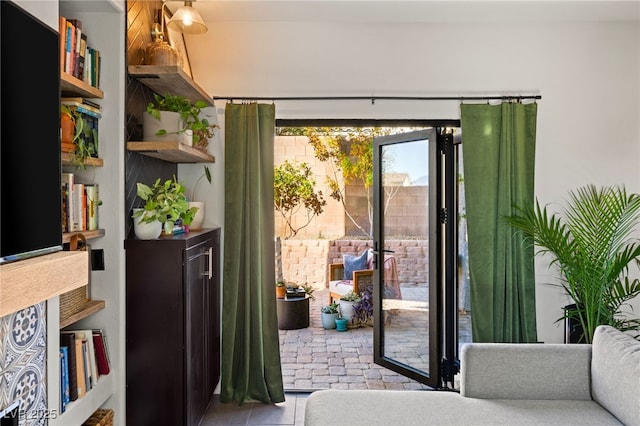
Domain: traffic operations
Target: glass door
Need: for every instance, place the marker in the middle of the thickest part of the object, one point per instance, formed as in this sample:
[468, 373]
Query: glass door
[413, 285]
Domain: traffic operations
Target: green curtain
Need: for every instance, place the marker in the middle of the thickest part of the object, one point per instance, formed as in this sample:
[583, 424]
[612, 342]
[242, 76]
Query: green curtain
[499, 159]
[250, 342]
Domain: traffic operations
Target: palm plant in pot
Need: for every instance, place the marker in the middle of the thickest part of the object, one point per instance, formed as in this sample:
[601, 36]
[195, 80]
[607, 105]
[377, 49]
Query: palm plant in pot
[164, 202]
[174, 117]
[592, 243]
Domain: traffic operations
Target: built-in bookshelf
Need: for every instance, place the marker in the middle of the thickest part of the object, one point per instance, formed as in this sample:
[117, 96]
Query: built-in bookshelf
[104, 24]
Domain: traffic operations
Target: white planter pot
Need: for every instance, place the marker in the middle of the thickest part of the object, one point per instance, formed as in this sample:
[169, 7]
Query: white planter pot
[146, 231]
[346, 311]
[329, 320]
[198, 219]
[169, 121]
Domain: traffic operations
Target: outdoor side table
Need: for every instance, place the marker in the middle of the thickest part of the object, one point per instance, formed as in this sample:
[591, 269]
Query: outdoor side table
[293, 313]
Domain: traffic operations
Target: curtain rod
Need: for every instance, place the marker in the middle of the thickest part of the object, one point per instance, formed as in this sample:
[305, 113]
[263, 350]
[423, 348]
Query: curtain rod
[375, 98]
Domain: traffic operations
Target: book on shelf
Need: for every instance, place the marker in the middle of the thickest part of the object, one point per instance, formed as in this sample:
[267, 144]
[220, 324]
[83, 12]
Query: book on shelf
[80, 370]
[62, 30]
[80, 100]
[67, 189]
[81, 107]
[78, 207]
[77, 58]
[68, 339]
[64, 378]
[93, 200]
[88, 380]
[102, 358]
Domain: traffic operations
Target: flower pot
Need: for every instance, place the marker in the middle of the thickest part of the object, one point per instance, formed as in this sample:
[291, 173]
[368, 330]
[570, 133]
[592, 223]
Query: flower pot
[341, 324]
[329, 320]
[346, 311]
[198, 218]
[280, 292]
[169, 121]
[146, 231]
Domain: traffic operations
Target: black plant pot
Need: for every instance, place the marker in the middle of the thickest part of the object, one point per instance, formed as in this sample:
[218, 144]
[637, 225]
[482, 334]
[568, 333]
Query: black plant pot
[573, 332]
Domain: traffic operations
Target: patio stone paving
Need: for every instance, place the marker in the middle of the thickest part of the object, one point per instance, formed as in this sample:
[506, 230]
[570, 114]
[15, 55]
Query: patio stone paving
[314, 358]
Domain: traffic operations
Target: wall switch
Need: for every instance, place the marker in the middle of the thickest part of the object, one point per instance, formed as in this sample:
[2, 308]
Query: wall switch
[97, 260]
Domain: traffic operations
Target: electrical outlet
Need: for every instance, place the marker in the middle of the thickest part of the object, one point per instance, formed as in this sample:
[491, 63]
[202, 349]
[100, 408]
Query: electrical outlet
[97, 260]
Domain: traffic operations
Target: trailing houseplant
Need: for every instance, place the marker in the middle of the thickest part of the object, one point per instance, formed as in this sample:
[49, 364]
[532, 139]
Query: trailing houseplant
[84, 138]
[191, 118]
[592, 243]
[165, 202]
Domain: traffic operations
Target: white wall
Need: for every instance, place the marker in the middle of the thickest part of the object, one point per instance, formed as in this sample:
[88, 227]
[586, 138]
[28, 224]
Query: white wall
[587, 73]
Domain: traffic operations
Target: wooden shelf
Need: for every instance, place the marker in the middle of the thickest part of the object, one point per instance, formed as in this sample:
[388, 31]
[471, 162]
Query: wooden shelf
[71, 86]
[87, 234]
[67, 160]
[90, 308]
[79, 411]
[172, 151]
[30, 281]
[169, 78]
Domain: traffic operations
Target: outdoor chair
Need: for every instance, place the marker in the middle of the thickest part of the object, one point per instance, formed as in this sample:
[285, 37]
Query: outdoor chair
[338, 286]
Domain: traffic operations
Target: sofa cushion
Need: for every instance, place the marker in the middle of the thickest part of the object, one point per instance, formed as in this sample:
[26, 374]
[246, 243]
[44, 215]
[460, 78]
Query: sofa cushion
[354, 263]
[525, 371]
[389, 408]
[615, 373]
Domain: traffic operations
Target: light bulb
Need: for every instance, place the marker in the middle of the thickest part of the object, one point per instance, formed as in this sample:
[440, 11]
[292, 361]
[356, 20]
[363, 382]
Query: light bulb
[187, 19]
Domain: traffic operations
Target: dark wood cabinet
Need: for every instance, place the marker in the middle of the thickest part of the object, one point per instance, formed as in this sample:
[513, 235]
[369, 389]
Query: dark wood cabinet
[172, 327]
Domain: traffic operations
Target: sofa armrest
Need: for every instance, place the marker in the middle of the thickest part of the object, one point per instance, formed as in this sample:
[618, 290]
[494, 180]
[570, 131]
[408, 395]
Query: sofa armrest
[526, 371]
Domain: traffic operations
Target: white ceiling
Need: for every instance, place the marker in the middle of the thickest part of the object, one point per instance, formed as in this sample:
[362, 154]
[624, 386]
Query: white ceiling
[414, 10]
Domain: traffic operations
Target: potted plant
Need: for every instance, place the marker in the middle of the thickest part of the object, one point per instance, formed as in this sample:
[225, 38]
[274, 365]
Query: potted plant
[308, 290]
[281, 289]
[363, 310]
[592, 242]
[328, 315]
[164, 202]
[77, 136]
[174, 117]
[347, 301]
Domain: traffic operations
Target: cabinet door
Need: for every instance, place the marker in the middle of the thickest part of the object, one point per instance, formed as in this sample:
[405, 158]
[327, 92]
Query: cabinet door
[212, 363]
[196, 291]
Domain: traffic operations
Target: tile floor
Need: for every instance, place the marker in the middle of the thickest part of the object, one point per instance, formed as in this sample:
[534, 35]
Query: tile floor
[314, 358]
[290, 412]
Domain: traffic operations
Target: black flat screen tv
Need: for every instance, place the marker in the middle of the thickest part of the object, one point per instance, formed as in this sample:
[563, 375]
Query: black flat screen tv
[30, 197]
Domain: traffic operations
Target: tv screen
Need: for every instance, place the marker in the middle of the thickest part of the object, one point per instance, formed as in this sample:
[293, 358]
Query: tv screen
[30, 201]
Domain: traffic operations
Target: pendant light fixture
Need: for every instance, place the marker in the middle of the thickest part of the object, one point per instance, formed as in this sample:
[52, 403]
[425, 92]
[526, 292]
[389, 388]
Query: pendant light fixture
[187, 20]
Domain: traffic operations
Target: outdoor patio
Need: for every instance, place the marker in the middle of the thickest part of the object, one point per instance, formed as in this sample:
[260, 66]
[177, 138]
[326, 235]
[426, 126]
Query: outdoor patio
[314, 358]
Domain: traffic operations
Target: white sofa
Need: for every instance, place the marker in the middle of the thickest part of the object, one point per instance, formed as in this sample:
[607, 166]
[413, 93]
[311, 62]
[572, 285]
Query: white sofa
[508, 384]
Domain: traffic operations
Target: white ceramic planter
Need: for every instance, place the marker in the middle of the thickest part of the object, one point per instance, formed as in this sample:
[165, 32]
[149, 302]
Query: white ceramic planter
[146, 231]
[169, 121]
[346, 311]
[198, 219]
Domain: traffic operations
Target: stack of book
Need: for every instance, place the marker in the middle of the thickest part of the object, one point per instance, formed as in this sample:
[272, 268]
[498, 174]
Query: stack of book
[84, 357]
[79, 205]
[90, 112]
[77, 58]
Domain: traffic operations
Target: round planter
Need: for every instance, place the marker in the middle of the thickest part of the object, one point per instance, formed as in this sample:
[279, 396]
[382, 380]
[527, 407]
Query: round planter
[346, 310]
[280, 292]
[329, 320]
[146, 231]
[198, 219]
[169, 121]
[341, 324]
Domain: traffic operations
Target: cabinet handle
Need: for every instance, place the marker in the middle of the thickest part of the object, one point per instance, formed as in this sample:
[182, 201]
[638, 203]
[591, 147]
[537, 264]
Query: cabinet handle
[209, 272]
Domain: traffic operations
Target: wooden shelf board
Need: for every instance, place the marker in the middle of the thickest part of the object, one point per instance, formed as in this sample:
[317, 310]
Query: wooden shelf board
[30, 281]
[66, 236]
[90, 308]
[172, 151]
[169, 78]
[67, 160]
[71, 86]
[79, 411]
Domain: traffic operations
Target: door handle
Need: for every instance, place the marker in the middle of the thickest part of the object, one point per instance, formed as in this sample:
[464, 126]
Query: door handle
[209, 272]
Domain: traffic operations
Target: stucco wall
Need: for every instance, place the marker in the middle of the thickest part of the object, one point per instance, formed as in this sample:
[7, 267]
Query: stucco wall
[587, 73]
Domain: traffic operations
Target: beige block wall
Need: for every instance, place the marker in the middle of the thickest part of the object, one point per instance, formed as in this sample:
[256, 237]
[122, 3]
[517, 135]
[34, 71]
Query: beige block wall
[330, 224]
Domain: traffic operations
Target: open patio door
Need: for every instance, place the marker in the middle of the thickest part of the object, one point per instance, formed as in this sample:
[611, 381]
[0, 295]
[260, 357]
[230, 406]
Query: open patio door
[415, 305]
